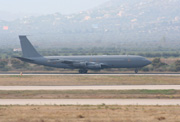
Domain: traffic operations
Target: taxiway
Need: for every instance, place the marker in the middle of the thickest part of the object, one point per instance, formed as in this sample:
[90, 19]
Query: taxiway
[89, 101]
[93, 87]
[91, 74]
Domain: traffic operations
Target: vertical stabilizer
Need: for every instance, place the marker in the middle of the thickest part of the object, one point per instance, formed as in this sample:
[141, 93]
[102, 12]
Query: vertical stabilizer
[27, 49]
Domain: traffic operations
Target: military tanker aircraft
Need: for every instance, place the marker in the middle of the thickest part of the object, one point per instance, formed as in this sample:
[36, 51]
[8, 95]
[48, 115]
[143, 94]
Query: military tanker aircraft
[83, 63]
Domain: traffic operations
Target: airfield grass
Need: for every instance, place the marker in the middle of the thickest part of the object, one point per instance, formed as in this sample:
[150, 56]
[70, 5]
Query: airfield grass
[99, 113]
[68, 80]
[92, 94]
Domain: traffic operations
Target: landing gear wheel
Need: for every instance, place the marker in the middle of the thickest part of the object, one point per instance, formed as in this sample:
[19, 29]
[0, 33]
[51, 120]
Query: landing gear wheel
[136, 71]
[83, 71]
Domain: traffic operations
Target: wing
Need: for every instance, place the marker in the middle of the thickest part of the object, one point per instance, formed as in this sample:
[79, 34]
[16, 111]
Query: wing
[62, 61]
[24, 59]
[81, 64]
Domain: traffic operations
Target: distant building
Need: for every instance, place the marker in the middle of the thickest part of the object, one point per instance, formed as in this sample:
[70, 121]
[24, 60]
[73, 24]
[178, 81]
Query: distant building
[5, 27]
[17, 50]
[87, 17]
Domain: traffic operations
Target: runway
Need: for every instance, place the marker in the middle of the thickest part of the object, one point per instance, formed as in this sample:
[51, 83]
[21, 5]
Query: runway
[89, 101]
[92, 74]
[115, 87]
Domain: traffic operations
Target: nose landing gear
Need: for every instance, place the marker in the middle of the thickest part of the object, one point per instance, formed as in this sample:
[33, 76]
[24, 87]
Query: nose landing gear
[83, 71]
[136, 71]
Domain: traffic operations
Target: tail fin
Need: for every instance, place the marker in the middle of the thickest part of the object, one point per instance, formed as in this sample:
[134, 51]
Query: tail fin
[27, 49]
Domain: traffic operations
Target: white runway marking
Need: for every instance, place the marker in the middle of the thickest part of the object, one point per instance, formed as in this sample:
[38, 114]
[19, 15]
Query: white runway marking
[115, 87]
[89, 101]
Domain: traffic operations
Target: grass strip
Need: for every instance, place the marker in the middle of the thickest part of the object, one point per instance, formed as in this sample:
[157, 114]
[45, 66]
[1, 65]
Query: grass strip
[91, 94]
[60, 80]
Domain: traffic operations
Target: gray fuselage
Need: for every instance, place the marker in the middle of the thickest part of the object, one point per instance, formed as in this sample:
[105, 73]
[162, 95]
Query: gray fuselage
[118, 61]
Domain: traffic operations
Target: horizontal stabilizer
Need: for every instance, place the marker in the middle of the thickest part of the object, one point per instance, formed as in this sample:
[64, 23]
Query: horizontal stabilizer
[24, 59]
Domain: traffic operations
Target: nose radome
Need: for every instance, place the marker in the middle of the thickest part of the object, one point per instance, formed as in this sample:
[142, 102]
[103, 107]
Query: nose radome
[149, 62]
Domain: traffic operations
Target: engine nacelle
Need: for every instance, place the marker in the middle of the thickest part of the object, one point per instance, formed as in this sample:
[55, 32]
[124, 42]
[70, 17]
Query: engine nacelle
[93, 66]
[79, 64]
[87, 65]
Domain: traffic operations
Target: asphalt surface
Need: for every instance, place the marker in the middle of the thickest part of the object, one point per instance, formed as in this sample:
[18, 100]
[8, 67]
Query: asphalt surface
[93, 74]
[115, 87]
[89, 101]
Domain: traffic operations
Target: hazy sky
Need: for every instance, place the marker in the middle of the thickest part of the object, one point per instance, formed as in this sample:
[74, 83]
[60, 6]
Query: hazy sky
[48, 6]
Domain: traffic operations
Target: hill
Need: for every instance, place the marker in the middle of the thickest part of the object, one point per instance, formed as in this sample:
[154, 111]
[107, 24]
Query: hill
[112, 22]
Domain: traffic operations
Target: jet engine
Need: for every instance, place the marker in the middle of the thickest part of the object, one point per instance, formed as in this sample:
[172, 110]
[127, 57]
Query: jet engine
[93, 65]
[79, 64]
[87, 65]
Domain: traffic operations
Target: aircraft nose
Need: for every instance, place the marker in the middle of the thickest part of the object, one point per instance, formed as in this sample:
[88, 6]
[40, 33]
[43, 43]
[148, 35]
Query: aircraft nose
[148, 62]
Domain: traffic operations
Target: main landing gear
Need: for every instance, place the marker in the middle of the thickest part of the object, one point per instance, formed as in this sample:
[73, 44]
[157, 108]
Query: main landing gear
[83, 71]
[136, 71]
